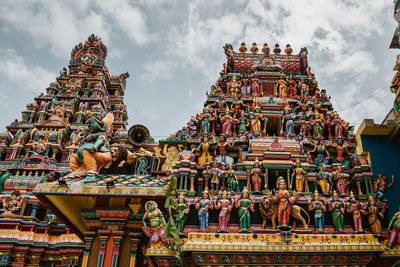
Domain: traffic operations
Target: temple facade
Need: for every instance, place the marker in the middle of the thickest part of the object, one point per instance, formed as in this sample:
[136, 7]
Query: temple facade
[266, 174]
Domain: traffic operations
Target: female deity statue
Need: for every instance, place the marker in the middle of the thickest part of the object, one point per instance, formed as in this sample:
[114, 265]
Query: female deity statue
[246, 88]
[321, 150]
[337, 207]
[325, 181]
[380, 186]
[183, 209]
[205, 120]
[255, 175]
[157, 223]
[341, 182]
[231, 182]
[318, 206]
[299, 174]
[285, 201]
[221, 147]
[243, 123]
[289, 122]
[317, 127]
[355, 207]
[394, 230]
[225, 205]
[338, 125]
[244, 204]
[203, 205]
[227, 122]
[205, 153]
[373, 216]
[291, 91]
[255, 88]
[13, 206]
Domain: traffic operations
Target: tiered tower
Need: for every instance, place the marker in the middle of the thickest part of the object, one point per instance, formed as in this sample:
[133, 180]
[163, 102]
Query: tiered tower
[37, 149]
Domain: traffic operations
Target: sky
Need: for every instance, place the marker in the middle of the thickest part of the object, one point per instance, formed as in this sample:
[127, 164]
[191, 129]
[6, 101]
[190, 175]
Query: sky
[173, 50]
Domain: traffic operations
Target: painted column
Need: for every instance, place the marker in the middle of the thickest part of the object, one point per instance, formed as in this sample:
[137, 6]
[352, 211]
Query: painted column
[117, 235]
[104, 235]
[88, 239]
[134, 243]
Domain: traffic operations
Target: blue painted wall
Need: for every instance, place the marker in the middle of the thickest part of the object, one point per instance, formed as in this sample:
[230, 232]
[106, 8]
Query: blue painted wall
[385, 159]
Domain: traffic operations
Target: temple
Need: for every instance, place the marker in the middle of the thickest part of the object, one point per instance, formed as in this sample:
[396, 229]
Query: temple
[267, 173]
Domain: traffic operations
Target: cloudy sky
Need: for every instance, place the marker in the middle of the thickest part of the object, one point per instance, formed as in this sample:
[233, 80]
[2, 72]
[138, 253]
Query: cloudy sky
[173, 50]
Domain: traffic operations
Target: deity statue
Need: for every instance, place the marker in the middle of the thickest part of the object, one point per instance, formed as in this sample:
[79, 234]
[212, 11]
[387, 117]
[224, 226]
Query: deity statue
[277, 49]
[300, 176]
[232, 182]
[221, 147]
[244, 204]
[12, 206]
[255, 175]
[321, 150]
[354, 207]
[341, 182]
[291, 90]
[338, 125]
[233, 86]
[317, 126]
[157, 223]
[182, 208]
[227, 122]
[265, 49]
[225, 205]
[373, 216]
[203, 205]
[318, 206]
[39, 147]
[95, 151]
[215, 174]
[289, 122]
[237, 106]
[285, 201]
[255, 87]
[325, 181]
[242, 48]
[171, 155]
[337, 207]
[205, 120]
[243, 123]
[380, 186]
[394, 230]
[341, 149]
[205, 153]
[281, 87]
[303, 89]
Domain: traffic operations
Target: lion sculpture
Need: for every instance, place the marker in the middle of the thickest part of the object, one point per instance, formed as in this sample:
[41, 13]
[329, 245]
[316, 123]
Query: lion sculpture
[269, 211]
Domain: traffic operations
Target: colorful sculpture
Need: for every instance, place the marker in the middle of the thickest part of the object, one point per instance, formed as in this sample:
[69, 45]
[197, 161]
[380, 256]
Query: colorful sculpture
[203, 204]
[354, 207]
[325, 181]
[285, 201]
[12, 206]
[318, 206]
[95, 152]
[183, 209]
[394, 230]
[225, 207]
[373, 214]
[255, 175]
[204, 149]
[299, 175]
[337, 207]
[245, 205]
[232, 182]
[157, 223]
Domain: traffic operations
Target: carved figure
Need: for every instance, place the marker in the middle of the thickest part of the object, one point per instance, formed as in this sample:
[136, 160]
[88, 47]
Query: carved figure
[225, 207]
[244, 204]
[203, 205]
[12, 206]
[337, 207]
[318, 206]
[157, 223]
[183, 209]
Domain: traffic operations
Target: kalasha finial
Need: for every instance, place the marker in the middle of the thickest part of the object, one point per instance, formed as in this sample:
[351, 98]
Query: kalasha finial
[288, 50]
[265, 49]
[242, 48]
[277, 49]
[254, 48]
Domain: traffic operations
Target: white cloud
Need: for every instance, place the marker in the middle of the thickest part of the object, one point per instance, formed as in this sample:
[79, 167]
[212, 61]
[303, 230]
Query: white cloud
[29, 78]
[157, 69]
